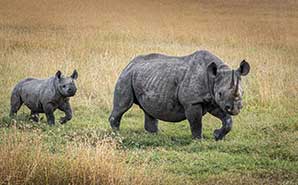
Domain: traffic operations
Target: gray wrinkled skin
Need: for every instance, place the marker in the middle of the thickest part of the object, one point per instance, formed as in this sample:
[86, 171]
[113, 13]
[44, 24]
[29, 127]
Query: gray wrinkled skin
[177, 88]
[45, 96]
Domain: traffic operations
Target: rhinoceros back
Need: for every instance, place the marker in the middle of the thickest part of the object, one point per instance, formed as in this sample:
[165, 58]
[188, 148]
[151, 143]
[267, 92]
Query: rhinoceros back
[155, 80]
[31, 92]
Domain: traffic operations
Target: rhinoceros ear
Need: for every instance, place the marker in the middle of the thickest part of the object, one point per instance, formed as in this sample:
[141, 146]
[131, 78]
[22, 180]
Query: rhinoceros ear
[74, 75]
[58, 74]
[212, 70]
[244, 68]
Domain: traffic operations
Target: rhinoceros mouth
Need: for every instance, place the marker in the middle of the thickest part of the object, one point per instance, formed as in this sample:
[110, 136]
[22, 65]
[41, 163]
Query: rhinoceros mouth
[231, 112]
[71, 94]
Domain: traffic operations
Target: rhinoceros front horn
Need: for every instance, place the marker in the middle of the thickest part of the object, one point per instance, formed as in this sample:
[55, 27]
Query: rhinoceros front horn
[232, 85]
[237, 87]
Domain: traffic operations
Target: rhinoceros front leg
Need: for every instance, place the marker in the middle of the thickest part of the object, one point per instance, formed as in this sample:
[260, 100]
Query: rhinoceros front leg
[151, 124]
[34, 116]
[227, 124]
[194, 115]
[66, 108]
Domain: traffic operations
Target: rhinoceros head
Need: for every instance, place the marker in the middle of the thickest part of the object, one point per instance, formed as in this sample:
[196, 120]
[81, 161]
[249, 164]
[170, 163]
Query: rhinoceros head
[227, 90]
[66, 85]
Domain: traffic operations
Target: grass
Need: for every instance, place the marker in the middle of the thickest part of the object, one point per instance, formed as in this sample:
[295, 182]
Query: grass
[99, 38]
[258, 151]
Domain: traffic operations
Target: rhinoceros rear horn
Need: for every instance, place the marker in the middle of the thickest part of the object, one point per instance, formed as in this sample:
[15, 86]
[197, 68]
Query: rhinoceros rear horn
[212, 69]
[244, 68]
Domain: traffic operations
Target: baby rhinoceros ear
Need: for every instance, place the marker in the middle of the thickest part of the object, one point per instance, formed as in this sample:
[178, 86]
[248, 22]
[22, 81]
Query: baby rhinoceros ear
[244, 68]
[58, 74]
[74, 75]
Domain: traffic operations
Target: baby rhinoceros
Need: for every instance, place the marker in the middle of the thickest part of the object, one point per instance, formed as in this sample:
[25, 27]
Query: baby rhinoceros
[173, 89]
[45, 96]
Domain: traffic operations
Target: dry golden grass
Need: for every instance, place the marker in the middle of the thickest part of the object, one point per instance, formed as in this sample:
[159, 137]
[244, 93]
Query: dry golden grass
[100, 37]
[25, 159]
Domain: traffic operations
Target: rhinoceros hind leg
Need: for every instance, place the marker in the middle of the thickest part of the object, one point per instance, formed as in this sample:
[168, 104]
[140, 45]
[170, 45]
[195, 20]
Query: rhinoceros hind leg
[151, 124]
[123, 100]
[15, 104]
[116, 116]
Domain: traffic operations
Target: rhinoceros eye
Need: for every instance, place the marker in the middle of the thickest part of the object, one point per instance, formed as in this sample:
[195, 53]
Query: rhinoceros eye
[63, 86]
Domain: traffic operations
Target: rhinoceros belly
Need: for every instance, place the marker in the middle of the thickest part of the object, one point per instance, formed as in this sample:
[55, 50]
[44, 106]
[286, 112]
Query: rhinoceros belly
[31, 97]
[161, 107]
[157, 93]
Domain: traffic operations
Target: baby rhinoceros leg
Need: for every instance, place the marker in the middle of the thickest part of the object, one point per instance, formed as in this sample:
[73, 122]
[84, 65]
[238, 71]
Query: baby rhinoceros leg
[151, 124]
[65, 107]
[49, 111]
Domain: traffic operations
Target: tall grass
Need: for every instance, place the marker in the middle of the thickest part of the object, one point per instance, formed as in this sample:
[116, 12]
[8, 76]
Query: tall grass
[100, 37]
[25, 159]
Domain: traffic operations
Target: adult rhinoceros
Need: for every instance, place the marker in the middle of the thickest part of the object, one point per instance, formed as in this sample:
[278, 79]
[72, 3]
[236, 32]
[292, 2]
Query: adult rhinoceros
[173, 89]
